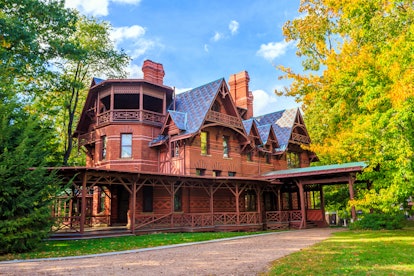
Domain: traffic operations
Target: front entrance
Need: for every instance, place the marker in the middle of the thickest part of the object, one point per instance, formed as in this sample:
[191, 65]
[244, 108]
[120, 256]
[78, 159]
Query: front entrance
[120, 206]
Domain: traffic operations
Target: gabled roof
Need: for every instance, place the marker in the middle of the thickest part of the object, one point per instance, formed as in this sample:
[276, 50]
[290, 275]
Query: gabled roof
[189, 110]
[264, 132]
[282, 122]
[196, 103]
[179, 119]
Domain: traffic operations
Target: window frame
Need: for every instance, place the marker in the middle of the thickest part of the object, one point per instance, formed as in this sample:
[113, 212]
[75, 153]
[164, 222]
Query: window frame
[125, 146]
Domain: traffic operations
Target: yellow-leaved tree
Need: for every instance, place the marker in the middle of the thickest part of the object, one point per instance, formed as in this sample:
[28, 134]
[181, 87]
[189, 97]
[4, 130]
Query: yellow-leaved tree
[357, 90]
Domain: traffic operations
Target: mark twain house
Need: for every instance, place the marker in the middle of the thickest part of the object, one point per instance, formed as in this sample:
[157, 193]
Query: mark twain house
[195, 161]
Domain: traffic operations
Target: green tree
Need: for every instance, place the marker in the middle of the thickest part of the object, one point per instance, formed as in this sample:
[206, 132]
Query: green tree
[27, 188]
[31, 34]
[93, 53]
[358, 102]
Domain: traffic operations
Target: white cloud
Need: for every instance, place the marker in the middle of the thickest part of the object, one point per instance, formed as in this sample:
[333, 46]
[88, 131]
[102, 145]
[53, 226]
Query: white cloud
[206, 48]
[120, 34]
[263, 102]
[272, 50]
[135, 71]
[96, 7]
[132, 39]
[217, 36]
[233, 27]
[181, 90]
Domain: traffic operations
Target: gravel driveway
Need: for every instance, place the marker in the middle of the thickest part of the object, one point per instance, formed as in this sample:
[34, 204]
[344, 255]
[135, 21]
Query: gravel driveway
[235, 256]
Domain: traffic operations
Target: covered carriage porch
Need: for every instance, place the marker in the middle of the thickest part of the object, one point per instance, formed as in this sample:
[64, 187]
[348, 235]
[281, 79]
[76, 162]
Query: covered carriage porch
[302, 183]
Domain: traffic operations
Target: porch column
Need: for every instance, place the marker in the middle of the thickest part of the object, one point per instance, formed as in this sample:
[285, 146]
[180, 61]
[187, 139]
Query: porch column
[259, 204]
[351, 181]
[83, 202]
[134, 203]
[322, 203]
[237, 204]
[211, 203]
[302, 204]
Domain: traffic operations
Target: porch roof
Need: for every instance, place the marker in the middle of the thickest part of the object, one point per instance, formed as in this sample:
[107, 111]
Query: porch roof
[317, 170]
[70, 171]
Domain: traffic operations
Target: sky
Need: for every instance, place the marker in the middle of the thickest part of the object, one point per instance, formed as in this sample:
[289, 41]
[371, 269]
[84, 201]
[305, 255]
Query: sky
[199, 41]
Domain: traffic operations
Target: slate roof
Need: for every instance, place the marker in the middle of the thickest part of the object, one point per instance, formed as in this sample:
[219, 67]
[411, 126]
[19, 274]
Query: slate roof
[264, 132]
[179, 119]
[191, 108]
[282, 122]
[248, 125]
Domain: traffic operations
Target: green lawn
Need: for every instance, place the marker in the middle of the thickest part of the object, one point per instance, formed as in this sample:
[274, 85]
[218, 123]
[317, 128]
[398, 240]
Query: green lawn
[50, 249]
[354, 253]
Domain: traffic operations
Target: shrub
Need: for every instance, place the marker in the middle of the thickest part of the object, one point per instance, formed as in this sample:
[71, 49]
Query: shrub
[378, 221]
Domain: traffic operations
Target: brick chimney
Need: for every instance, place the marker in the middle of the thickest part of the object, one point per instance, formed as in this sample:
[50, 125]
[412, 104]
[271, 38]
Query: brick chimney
[153, 72]
[239, 90]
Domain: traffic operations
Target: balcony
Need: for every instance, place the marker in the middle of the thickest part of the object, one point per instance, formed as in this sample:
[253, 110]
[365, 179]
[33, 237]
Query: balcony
[87, 138]
[130, 115]
[229, 120]
[303, 139]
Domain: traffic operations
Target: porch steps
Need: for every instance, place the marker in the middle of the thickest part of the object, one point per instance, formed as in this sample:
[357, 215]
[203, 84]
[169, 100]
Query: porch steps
[90, 234]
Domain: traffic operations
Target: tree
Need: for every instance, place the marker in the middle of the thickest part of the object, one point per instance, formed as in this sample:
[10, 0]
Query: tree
[359, 101]
[31, 34]
[27, 188]
[93, 53]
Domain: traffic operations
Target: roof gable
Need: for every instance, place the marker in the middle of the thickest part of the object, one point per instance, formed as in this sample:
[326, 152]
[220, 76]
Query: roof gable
[195, 104]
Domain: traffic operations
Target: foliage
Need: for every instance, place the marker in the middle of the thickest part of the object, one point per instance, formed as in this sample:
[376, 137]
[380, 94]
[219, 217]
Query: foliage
[52, 249]
[91, 53]
[359, 100]
[378, 222]
[25, 194]
[353, 253]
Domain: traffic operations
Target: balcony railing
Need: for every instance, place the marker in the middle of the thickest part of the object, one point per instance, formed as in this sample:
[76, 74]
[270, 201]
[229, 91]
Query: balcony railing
[130, 116]
[300, 138]
[218, 117]
[87, 138]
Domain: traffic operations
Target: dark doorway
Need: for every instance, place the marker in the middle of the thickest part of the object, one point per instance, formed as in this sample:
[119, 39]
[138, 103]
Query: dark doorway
[123, 205]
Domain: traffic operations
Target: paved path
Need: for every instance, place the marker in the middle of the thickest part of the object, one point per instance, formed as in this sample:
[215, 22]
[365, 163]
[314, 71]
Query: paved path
[236, 256]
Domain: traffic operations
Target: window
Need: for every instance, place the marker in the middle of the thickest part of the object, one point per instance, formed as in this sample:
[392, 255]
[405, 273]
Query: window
[293, 160]
[147, 198]
[250, 156]
[250, 200]
[200, 172]
[216, 173]
[204, 142]
[232, 173]
[126, 145]
[101, 200]
[178, 200]
[226, 146]
[103, 147]
[175, 149]
[267, 156]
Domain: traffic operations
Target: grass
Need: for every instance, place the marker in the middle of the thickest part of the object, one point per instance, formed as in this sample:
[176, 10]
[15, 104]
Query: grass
[49, 249]
[353, 253]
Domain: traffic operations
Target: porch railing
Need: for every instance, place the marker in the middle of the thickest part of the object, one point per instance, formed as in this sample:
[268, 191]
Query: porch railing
[283, 216]
[195, 220]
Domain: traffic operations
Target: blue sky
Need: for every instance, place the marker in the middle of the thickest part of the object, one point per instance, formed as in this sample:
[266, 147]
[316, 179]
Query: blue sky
[199, 41]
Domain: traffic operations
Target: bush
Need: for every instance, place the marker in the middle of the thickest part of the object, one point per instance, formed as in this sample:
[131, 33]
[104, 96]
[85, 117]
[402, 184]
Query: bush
[379, 221]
